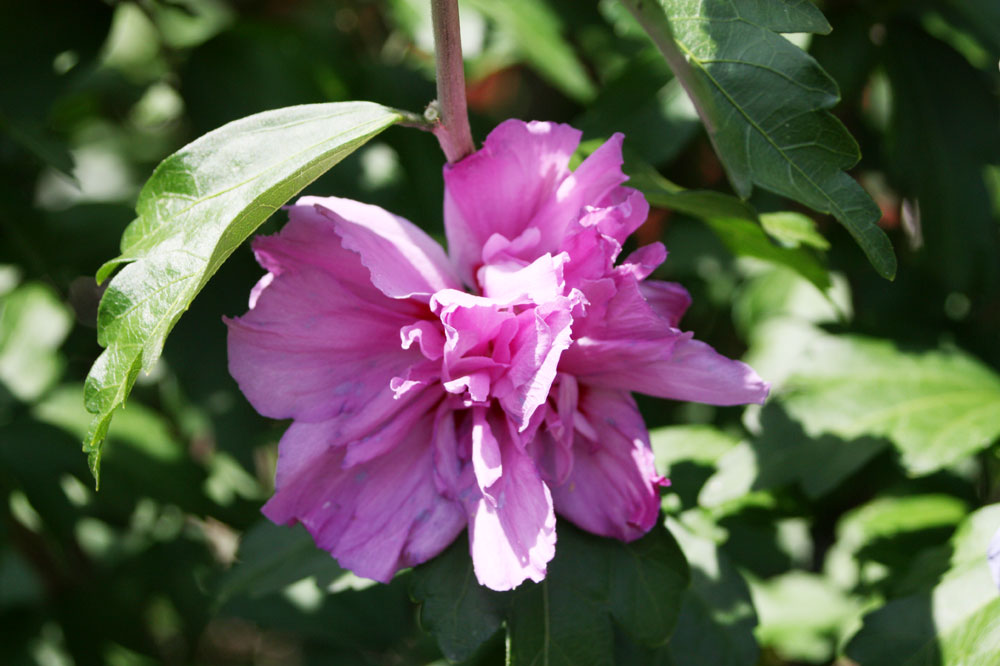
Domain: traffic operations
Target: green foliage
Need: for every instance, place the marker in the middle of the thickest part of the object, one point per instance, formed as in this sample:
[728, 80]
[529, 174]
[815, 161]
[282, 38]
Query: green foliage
[935, 407]
[200, 204]
[784, 139]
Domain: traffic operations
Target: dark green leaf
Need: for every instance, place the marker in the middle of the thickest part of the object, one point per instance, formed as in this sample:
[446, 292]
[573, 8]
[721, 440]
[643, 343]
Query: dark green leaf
[717, 618]
[198, 206]
[461, 613]
[566, 619]
[764, 103]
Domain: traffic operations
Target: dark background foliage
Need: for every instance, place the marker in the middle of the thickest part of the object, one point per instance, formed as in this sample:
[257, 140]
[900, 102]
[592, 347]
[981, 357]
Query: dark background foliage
[821, 529]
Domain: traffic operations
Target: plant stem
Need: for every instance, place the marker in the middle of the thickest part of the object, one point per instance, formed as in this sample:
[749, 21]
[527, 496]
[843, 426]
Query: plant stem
[452, 131]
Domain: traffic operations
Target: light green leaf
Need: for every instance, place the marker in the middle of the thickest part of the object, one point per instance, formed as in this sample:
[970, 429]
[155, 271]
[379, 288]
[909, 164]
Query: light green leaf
[802, 615]
[793, 229]
[33, 324]
[936, 407]
[764, 104]
[197, 207]
[734, 221]
[539, 36]
[955, 623]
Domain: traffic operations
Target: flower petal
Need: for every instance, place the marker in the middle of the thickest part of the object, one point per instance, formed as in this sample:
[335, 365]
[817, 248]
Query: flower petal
[513, 538]
[613, 489]
[667, 299]
[374, 518]
[403, 260]
[633, 348]
[499, 188]
[320, 341]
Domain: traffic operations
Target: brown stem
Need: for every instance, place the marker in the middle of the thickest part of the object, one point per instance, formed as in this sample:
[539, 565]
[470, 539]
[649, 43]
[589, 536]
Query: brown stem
[452, 131]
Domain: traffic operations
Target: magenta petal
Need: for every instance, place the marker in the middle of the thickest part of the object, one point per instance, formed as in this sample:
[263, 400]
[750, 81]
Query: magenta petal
[318, 344]
[403, 260]
[515, 538]
[695, 372]
[613, 489]
[374, 518]
[500, 188]
[667, 299]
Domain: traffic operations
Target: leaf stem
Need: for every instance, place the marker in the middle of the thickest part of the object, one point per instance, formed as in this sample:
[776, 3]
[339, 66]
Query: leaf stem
[452, 130]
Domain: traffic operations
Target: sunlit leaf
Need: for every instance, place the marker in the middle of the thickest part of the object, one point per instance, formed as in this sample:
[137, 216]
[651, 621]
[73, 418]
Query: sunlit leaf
[936, 407]
[764, 103]
[198, 206]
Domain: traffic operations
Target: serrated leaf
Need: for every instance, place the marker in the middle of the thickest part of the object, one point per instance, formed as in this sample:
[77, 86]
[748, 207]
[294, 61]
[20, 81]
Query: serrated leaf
[455, 608]
[764, 104]
[955, 623]
[197, 207]
[936, 407]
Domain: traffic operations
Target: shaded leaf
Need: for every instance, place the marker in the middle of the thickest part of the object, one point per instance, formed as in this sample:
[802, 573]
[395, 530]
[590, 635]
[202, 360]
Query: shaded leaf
[717, 617]
[764, 103]
[198, 206]
[957, 622]
[455, 608]
[935, 407]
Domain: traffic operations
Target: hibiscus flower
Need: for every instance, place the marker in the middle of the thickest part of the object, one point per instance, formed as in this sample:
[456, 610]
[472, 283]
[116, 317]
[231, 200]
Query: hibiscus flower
[488, 390]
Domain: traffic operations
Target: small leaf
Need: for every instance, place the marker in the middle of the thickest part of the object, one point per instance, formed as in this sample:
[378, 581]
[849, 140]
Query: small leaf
[936, 407]
[200, 204]
[793, 230]
[764, 104]
[455, 608]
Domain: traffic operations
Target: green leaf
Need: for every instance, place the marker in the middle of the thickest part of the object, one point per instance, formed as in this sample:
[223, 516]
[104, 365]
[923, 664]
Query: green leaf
[936, 407]
[954, 623]
[734, 221]
[566, 619]
[793, 230]
[802, 615]
[33, 324]
[717, 617]
[455, 608]
[197, 207]
[764, 103]
[783, 454]
[539, 36]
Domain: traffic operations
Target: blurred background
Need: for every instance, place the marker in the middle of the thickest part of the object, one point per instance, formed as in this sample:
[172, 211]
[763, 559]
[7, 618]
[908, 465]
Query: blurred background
[171, 563]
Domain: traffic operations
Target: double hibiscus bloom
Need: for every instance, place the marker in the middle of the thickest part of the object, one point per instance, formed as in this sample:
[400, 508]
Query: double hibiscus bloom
[488, 390]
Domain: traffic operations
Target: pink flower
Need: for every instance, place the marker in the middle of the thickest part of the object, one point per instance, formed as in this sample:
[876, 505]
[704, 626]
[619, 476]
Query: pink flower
[489, 390]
